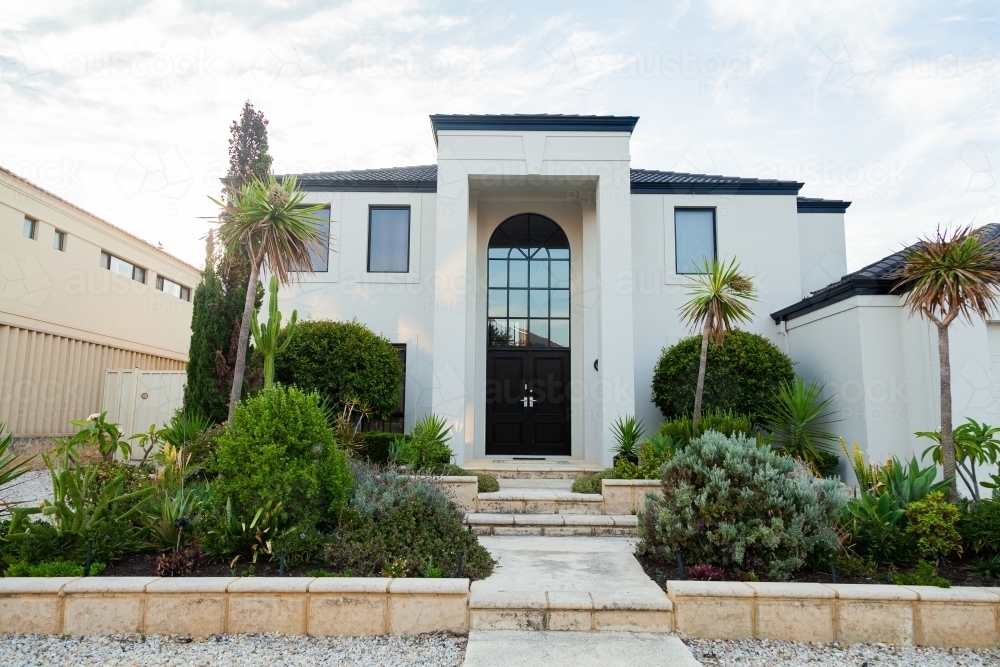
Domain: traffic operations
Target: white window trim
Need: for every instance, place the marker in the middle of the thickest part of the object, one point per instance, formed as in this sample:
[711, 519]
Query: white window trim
[382, 199]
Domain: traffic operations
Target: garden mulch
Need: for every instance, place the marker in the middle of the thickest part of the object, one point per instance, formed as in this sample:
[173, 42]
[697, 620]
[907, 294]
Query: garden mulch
[956, 572]
[144, 565]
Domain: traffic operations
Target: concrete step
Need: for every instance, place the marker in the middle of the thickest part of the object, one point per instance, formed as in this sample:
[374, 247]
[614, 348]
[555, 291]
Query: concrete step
[514, 468]
[577, 611]
[575, 649]
[552, 524]
[540, 501]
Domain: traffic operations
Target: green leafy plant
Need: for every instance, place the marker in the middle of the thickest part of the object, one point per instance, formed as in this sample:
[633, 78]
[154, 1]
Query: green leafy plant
[347, 425]
[53, 568]
[627, 431]
[485, 483]
[185, 427]
[280, 449]
[10, 468]
[868, 474]
[932, 521]
[851, 565]
[147, 442]
[171, 518]
[427, 450]
[745, 508]
[265, 337]
[342, 361]
[656, 450]
[233, 537]
[432, 571]
[975, 445]
[720, 298]
[979, 527]
[988, 568]
[876, 526]
[302, 545]
[397, 449]
[909, 482]
[97, 431]
[925, 574]
[798, 420]
[682, 430]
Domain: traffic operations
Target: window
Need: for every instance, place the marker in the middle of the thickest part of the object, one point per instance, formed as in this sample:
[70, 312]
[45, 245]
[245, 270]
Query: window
[30, 227]
[59, 241]
[170, 287]
[319, 253]
[121, 267]
[694, 238]
[388, 240]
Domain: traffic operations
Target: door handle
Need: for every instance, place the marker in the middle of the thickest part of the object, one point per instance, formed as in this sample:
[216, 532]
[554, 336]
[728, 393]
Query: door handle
[528, 401]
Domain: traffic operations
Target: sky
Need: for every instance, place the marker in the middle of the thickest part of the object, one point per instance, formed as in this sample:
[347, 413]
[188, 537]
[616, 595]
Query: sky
[123, 107]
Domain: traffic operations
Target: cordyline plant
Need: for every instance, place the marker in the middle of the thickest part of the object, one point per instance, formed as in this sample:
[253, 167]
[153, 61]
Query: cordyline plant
[720, 295]
[268, 220]
[951, 275]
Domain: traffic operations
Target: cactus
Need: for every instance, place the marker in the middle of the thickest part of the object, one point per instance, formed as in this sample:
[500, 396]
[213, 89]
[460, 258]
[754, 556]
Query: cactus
[266, 337]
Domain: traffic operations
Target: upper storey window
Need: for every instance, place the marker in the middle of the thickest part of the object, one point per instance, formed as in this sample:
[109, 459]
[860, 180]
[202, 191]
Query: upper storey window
[694, 238]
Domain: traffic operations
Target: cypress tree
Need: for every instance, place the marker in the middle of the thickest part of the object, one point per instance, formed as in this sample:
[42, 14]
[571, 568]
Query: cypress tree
[206, 393]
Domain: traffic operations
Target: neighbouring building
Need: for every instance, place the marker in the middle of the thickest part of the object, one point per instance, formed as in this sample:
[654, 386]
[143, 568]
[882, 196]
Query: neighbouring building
[532, 276]
[79, 297]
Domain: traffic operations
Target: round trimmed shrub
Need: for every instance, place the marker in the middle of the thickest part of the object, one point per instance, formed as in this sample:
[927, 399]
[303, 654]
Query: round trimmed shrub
[341, 361]
[280, 448]
[742, 375]
[746, 509]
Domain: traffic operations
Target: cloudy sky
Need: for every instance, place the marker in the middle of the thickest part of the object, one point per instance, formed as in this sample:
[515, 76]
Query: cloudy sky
[123, 107]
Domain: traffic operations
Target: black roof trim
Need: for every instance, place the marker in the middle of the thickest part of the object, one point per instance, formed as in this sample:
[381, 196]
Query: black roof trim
[418, 179]
[816, 205]
[876, 278]
[532, 122]
[651, 182]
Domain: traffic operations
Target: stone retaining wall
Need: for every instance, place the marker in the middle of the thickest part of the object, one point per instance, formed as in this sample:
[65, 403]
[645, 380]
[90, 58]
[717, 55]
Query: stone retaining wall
[201, 606]
[620, 496]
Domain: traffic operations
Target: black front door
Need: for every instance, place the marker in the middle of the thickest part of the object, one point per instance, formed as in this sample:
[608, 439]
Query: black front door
[527, 402]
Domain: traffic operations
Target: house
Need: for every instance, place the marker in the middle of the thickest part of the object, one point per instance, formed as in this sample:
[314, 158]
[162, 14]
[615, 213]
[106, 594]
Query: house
[79, 297]
[880, 364]
[532, 276]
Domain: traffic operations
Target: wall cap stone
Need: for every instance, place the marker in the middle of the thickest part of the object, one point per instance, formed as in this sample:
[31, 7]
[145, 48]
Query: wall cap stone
[169, 585]
[719, 589]
[632, 600]
[110, 585]
[955, 594]
[789, 589]
[271, 585]
[373, 585]
[875, 592]
[429, 586]
[33, 585]
[485, 599]
[631, 482]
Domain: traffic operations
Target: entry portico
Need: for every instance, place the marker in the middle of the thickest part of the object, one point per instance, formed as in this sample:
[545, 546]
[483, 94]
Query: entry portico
[531, 277]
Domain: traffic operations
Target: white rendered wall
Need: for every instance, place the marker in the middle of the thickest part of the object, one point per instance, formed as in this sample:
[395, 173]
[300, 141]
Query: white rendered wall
[760, 231]
[822, 250]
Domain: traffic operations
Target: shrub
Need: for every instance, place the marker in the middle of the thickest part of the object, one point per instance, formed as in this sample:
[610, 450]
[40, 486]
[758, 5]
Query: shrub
[427, 449]
[342, 361]
[656, 450]
[925, 574]
[375, 446]
[280, 449]
[876, 526]
[401, 525]
[52, 568]
[485, 483]
[623, 469]
[932, 521]
[979, 527]
[746, 509]
[742, 376]
[682, 430]
[706, 573]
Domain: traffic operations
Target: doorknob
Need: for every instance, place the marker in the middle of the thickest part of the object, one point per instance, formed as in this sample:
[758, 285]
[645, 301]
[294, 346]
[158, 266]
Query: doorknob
[524, 401]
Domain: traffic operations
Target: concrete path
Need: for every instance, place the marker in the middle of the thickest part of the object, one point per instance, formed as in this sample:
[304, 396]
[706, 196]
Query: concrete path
[576, 649]
[584, 564]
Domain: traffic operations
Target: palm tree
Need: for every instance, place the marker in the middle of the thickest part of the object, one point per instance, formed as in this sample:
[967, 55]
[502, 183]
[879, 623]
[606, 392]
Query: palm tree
[719, 300]
[267, 218]
[949, 276]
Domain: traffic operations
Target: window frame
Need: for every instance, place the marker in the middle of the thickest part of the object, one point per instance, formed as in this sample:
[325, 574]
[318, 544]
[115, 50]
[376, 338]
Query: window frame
[325, 245]
[135, 267]
[184, 293]
[34, 228]
[59, 238]
[715, 236]
[409, 235]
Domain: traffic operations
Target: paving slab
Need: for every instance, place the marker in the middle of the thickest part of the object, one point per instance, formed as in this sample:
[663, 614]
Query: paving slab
[588, 564]
[575, 649]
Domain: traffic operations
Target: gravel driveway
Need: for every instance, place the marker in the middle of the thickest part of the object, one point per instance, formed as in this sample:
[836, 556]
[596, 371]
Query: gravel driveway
[232, 650]
[763, 653]
[29, 489]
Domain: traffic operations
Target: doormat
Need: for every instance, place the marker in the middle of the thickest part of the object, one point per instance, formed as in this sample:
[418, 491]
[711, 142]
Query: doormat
[529, 458]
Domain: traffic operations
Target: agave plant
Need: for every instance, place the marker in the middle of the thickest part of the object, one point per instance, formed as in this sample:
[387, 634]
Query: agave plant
[171, 516]
[909, 483]
[10, 468]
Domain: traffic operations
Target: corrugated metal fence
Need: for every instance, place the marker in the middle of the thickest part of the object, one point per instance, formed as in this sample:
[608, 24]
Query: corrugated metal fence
[48, 380]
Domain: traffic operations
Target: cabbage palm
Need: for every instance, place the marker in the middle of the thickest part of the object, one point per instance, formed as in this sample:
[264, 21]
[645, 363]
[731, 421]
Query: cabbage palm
[949, 276]
[267, 218]
[798, 418]
[719, 299]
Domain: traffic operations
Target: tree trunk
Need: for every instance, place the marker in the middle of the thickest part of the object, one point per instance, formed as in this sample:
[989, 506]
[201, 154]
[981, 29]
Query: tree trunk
[947, 435]
[702, 365]
[240, 367]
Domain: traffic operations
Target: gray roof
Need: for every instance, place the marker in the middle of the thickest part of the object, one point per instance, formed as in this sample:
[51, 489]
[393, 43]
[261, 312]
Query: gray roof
[423, 178]
[876, 278]
[817, 205]
[532, 122]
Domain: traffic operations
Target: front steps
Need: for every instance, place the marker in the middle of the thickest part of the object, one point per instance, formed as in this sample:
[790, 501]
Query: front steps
[560, 525]
[575, 611]
[540, 501]
[522, 468]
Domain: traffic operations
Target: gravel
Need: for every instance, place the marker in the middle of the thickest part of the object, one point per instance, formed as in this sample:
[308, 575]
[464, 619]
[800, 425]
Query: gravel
[764, 653]
[224, 650]
[29, 489]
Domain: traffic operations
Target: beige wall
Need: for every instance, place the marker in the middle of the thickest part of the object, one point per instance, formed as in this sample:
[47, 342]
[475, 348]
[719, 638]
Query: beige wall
[64, 319]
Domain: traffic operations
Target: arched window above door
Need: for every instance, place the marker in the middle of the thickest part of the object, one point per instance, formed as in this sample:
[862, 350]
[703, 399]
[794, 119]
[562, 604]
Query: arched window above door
[528, 284]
